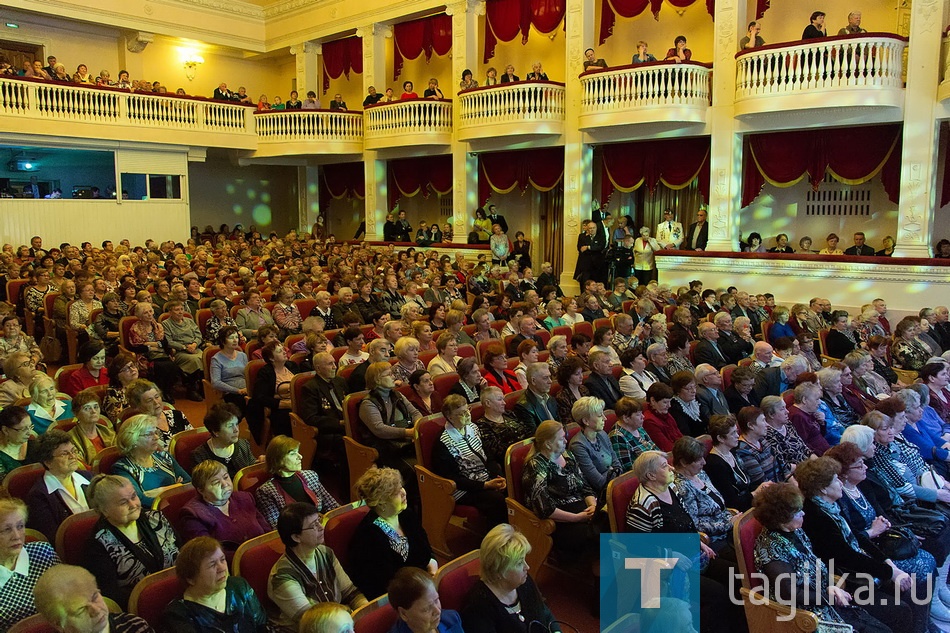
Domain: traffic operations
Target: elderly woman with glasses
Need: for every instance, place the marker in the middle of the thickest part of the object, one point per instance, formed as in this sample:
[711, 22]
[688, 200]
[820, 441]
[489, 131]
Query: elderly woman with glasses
[308, 573]
[219, 511]
[92, 432]
[61, 491]
[17, 446]
[833, 540]
[19, 369]
[145, 462]
[505, 596]
[697, 494]
[21, 563]
[290, 481]
[122, 371]
[796, 576]
[127, 542]
[595, 455]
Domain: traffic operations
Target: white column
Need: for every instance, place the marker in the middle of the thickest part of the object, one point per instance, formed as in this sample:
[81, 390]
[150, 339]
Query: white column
[374, 73]
[725, 151]
[464, 164]
[921, 131]
[578, 156]
[308, 68]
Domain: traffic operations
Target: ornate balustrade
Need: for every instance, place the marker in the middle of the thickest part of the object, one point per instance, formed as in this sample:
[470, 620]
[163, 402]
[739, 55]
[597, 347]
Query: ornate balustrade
[523, 108]
[309, 132]
[77, 106]
[411, 122]
[655, 92]
[848, 70]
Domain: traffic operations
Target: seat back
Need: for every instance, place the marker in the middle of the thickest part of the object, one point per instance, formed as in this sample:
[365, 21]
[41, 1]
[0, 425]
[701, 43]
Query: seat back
[62, 375]
[619, 492]
[351, 417]
[305, 306]
[20, 480]
[206, 357]
[253, 561]
[33, 624]
[202, 317]
[73, 535]
[376, 617]
[511, 399]
[340, 525]
[443, 383]
[498, 324]
[302, 432]
[692, 351]
[563, 330]
[170, 503]
[250, 478]
[105, 460]
[726, 373]
[153, 593]
[455, 579]
[251, 370]
[744, 532]
[745, 362]
[584, 328]
[426, 357]
[605, 322]
[766, 326]
[466, 351]
[125, 327]
[823, 341]
[428, 431]
[184, 443]
[515, 458]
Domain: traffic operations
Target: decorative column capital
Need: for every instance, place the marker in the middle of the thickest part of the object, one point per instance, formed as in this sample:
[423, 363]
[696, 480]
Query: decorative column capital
[306, 47]
[137, 41]
[476, 7]
[377, 28]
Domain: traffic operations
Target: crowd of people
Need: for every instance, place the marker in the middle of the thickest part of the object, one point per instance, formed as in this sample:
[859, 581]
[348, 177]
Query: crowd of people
[718, 400]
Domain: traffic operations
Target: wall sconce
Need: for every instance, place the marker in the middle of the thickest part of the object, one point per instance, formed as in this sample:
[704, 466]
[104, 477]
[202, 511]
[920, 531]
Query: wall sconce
[191, 66]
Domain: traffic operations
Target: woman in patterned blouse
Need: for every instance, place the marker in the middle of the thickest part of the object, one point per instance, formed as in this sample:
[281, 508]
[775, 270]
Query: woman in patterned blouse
[627, 437]
[698, 495]
[555, 489]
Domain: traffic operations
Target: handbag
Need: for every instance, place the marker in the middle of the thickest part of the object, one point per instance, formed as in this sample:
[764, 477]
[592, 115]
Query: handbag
[898, 543]
[931, 480]
[51, 348]
[921, 521]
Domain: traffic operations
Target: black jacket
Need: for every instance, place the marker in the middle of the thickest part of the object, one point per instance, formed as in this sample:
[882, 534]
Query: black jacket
[372, 561]
[317, 407]
[607, 388]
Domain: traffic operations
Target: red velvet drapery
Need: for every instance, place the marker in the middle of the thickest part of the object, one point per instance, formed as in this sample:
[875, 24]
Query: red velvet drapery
[345, 180]
[501, 172]
[852, 155]
[674, 162]
[507, 18]
[425, 35]
[633, 8]
[410, 176]
[340, 57]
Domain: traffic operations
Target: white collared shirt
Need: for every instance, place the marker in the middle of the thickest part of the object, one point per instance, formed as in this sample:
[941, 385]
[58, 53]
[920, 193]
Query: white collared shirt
[22, 568]
[75, 504]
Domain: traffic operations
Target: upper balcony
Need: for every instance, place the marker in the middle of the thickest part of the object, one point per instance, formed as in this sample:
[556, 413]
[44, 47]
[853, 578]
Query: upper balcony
[522, 112]
[858, 72]
[63, 109]
[651, 97]
[413, 122]
[297, 132]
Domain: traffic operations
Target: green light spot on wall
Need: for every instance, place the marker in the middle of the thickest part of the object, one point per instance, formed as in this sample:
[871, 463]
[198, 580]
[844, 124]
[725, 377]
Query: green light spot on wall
[238, 209]
[261, 215]
[251, 194]
[265, 197]
[230, 189]
[312, 188]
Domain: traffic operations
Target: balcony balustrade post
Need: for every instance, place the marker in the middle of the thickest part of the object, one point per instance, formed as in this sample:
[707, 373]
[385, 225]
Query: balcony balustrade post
[918, 192]
[374, 74]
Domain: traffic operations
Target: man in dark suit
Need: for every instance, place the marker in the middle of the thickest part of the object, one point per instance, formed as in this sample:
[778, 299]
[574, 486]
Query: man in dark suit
[773, 381]
[658, 362]
[322, 402]
[547, 278]
[744, 308]
[599, 241]
[643, 309]
[221, 93]
[860, 247]
[942, 326]
[698, 233]
[526, 330]
[601, 382]
[497, 218]
[709, 390]
[380, 350]
[730, 344]
[344, 305]
[536, 404]
[707, 350]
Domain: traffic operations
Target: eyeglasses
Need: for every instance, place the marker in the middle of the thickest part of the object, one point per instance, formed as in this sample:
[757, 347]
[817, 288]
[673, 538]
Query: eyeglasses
[70, 453]
[128, 367]
[20, 429]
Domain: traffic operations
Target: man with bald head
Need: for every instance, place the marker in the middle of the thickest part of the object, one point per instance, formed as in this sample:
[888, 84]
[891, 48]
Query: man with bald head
[763, 356]
[322, 402]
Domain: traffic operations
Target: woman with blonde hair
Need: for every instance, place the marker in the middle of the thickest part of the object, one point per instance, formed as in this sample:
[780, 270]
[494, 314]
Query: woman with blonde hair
[145, 462]
[45, 408]
[290, 482]
[326, 617]
[389, 537]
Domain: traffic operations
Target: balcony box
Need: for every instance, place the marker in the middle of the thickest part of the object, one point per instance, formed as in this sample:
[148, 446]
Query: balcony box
[522, 110]
[832, 75]
[653, 97]
[411, 123]
[308, 132]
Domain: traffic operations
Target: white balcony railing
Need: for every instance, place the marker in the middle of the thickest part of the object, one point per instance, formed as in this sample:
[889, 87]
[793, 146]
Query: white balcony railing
[413, 116]
[72, 103]
[526, 106]
[292, 126]
[841, 63]
[643, 85]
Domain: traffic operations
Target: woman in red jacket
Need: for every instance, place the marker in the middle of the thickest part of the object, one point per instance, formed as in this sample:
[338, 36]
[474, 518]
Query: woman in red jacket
[496, 370]
[657, 421]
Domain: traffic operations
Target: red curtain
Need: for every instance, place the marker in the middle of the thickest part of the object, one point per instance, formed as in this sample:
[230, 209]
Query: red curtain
[426, 35]
[852, 155]
[340, 57]
[674, 162]
[633, 8]
[345, 180]
[410, 176]
[507, 18]
[502, 172]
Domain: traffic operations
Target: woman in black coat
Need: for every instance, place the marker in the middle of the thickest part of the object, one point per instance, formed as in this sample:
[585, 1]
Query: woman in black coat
[272, 391]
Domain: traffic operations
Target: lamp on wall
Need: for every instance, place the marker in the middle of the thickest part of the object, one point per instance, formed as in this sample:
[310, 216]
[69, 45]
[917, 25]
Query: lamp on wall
[191, 65]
